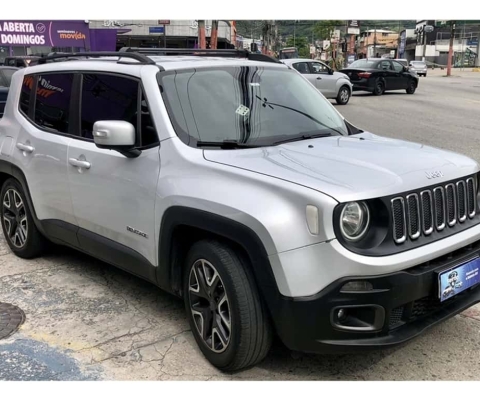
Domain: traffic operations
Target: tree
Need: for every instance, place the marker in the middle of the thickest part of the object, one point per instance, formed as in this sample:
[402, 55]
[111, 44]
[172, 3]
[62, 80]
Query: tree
[324, 29]
[301, 44]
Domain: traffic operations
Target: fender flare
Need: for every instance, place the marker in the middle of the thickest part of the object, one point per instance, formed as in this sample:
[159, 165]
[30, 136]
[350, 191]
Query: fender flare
[12, 170]
[169, 274]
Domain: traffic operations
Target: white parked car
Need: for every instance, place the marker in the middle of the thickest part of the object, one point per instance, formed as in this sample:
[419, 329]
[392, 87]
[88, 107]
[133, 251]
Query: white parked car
[333, 85]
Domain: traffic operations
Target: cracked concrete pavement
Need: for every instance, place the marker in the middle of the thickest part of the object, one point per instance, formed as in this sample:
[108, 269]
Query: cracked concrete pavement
[86, 320]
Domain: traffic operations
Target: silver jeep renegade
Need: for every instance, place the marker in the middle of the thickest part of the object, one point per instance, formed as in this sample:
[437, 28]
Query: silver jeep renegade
[226, 178]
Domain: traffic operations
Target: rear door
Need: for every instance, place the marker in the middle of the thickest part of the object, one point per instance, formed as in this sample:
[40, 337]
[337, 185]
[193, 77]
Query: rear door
[114, 197]
[401, 76]
[41, 148]
[388, 74]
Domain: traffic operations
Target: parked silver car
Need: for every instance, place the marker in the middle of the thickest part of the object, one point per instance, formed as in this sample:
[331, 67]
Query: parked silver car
[232, 183]
[333, 85]
[420, 67]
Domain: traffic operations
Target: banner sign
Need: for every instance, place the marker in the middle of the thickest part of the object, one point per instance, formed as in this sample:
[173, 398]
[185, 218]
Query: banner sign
[44, 33]
[353, 27]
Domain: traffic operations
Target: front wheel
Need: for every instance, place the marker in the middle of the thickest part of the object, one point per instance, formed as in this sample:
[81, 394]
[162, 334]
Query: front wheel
[343, 96]
[411, 87]
[227, 317]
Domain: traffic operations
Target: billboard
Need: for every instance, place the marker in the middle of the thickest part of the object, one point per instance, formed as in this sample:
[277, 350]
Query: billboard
[45, 33]
[353, 27]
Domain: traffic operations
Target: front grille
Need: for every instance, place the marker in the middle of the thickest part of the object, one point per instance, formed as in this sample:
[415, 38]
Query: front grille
[435, 209]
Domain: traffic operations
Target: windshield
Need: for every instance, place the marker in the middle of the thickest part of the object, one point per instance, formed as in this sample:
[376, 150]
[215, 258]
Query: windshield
[363, 64]
[245, 104]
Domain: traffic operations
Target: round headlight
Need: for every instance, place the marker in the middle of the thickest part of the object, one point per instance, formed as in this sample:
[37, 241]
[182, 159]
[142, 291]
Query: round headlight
[354, 220]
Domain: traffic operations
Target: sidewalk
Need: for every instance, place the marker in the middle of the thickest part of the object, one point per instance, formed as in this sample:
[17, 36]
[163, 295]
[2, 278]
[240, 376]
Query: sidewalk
[456, 72]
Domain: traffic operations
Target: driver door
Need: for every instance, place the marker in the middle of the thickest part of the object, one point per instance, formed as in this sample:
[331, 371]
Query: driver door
[324, 82]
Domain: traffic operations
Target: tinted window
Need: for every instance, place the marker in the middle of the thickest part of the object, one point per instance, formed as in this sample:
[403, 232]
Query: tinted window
[318, 68]
[385, 65]
[397, 66]
[302, 67]
[107, 97]
[52, 101]
[25, 93]
[249, 104]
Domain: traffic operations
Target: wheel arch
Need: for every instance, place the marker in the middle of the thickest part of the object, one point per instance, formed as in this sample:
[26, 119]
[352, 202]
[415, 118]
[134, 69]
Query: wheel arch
[9, 170]
[181, 226]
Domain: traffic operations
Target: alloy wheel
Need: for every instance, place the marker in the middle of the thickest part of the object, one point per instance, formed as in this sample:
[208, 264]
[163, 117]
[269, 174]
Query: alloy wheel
[344, 94]
[209, 306]
[15, 218]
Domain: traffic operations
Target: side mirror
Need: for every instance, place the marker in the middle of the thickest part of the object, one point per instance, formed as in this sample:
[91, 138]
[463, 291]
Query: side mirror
[406, 69]
[116, 135]
[330, 71]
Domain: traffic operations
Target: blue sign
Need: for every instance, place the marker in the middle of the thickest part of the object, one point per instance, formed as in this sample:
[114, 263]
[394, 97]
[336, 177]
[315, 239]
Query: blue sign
[472, 42]
[156, 29]
[458, 279]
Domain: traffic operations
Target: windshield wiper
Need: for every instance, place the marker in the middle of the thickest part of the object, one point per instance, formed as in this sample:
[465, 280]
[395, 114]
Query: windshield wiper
[302, 137]
[226, 144]
[270, 104]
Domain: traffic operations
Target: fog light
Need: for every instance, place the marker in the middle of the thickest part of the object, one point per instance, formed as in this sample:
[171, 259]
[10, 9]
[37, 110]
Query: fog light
[357, 286]
[341, 314]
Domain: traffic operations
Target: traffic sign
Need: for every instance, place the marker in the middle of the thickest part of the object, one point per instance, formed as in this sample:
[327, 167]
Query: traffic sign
[428, 28]
[163, 22]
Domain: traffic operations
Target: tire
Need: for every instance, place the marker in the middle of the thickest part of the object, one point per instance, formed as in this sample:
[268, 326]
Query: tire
[215, 272]
[18, 226]
[412, 86]
[343, 96]
[379, 88]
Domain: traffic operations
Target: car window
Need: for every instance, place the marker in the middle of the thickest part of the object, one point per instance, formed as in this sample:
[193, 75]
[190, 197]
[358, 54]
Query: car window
[302, 67]
[397, 66]
[363, 64]
[52, 101]
[111, 97]
[249, 104]
[7, 74]
[318, 68]
[107, 97]
[25, 94]
[3, 81]
[385, 65]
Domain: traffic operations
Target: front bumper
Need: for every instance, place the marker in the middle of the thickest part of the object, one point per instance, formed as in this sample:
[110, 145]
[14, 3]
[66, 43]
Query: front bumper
[409, 300]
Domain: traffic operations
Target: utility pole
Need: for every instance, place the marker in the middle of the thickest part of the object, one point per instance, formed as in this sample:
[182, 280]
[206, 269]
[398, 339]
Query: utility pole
[294, 21]
[202, 43]
[450, 48]
[214, 35]
[375, 42]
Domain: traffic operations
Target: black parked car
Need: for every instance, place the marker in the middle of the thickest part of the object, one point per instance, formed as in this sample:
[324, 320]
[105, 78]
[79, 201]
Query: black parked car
[5, 79]
[378, 75]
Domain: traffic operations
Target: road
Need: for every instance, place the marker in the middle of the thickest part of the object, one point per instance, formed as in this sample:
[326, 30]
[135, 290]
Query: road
[86, 320]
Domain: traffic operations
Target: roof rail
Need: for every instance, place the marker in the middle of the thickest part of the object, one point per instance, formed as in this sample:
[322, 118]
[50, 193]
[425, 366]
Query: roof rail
[135, 56]
[235, 53]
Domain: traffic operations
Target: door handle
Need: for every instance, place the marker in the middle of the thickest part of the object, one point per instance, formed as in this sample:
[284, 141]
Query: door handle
[319, 78]
[25, 147]
[79, 163]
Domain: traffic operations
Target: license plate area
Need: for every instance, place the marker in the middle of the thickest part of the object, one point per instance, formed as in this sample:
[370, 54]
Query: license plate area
[457, 279]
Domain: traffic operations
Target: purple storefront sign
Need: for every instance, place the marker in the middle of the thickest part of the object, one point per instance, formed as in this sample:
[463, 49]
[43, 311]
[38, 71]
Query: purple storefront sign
[45, 33]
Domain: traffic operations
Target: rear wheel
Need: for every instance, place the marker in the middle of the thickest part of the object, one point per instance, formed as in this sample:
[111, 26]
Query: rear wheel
[379, 88]
[227, 317]
[412, 86]
[19, 230]
[343, 95]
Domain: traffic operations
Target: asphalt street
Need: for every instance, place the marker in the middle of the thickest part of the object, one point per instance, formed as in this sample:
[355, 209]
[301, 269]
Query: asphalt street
[86, 320]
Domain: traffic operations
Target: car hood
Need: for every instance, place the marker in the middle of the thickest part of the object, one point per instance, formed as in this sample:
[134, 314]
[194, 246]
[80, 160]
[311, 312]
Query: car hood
[349, 168]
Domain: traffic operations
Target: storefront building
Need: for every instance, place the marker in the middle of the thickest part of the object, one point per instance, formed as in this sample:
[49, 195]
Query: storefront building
[163, 33]
[26, 37]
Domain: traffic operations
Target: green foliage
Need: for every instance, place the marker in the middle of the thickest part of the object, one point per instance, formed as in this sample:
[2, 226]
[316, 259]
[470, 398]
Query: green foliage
[324, 29]
[301, 43]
